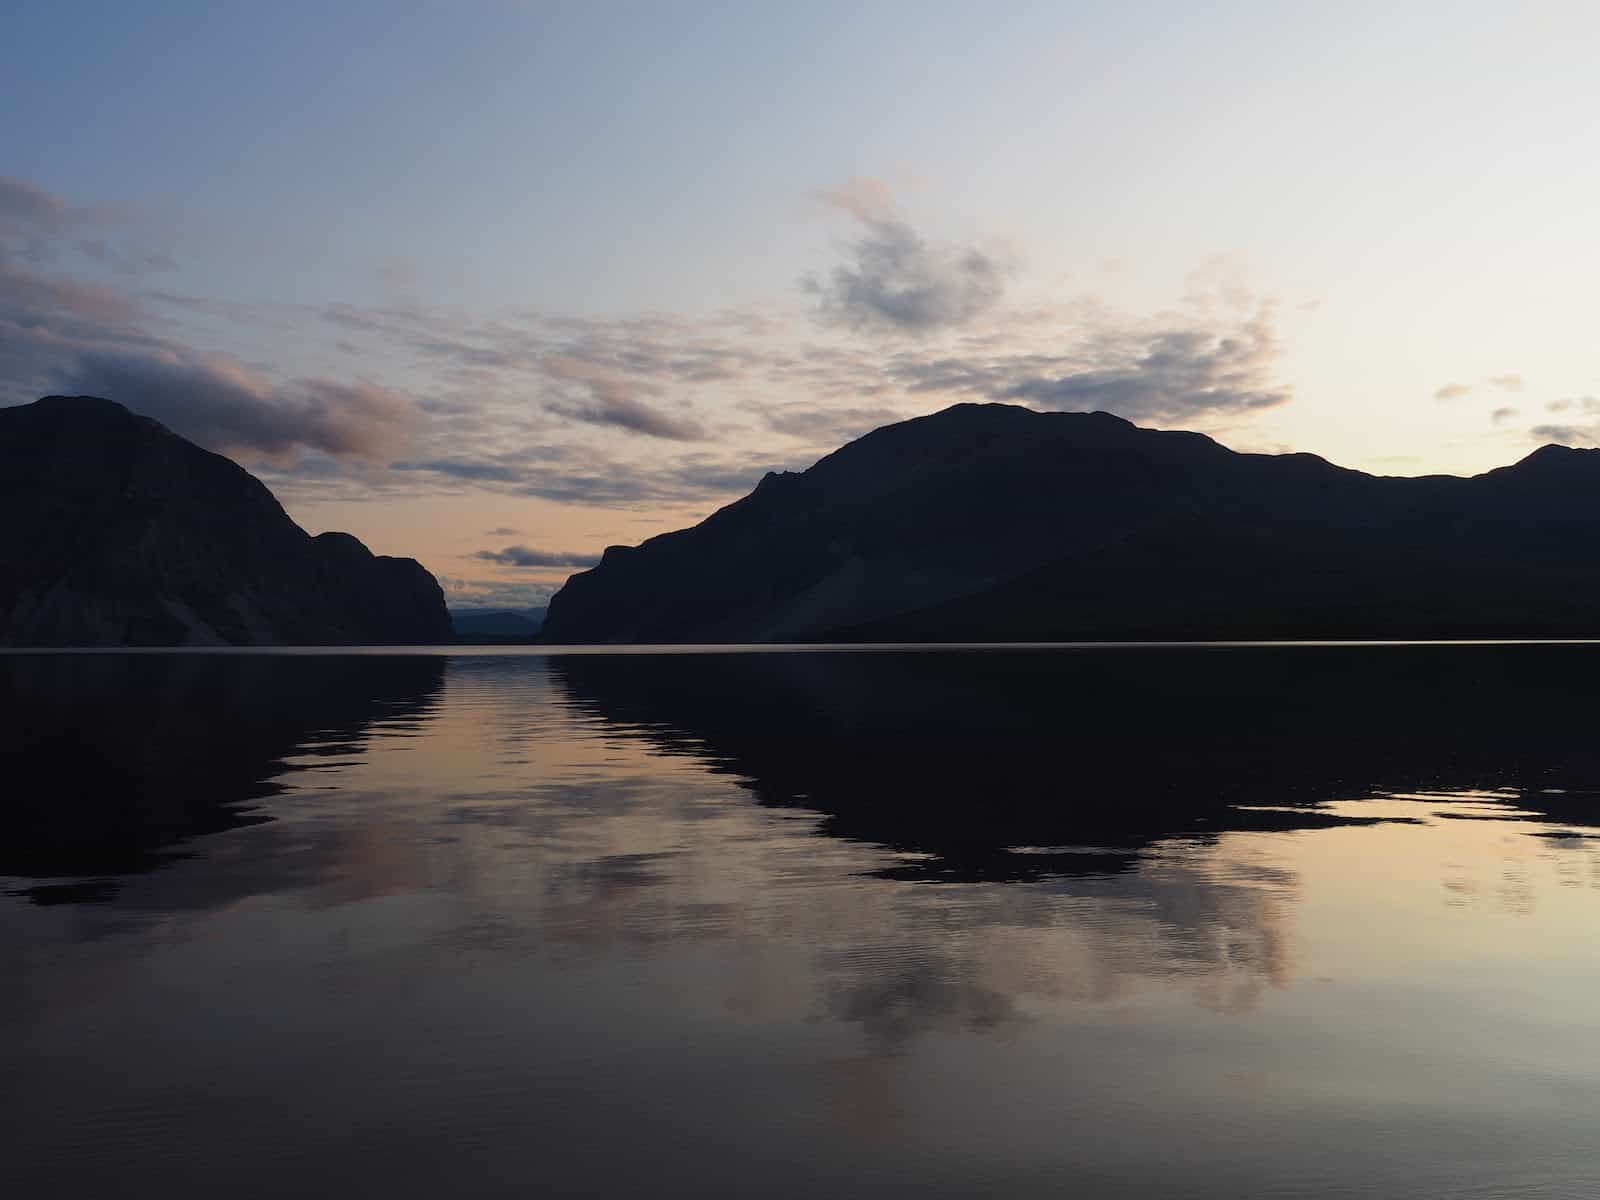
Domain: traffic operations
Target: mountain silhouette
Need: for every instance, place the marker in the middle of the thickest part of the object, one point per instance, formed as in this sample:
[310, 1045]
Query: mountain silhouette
[118, 532]
[998, 523]
[497, 625]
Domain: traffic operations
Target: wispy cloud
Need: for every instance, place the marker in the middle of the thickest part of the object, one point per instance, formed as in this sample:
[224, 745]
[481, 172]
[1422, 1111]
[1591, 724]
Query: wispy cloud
[1572, 433]
[1174, 369]
[824, 424]
[895, 280]
[1211, 360]
[66, 334]
[658, 412]
[1455, 391]
[464, 592]
[224, 404]
[587, 475]
[606, 397]
[39, 226]
[1565, 435]
[122, 261]
[30, 211]
[527, 556]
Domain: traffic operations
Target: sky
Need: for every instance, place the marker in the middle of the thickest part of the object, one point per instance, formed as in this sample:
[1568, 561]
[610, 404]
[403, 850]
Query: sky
[496, 284]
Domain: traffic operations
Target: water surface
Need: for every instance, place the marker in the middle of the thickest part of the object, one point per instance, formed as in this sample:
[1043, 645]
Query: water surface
[1291, 921]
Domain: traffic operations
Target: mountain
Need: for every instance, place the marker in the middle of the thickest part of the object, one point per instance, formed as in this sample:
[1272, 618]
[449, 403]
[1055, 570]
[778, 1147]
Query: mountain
[998, 523]
[119, 532]
[496, 625]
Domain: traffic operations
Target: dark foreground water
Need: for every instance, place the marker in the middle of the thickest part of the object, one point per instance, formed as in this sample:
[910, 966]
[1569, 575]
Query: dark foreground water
[1290, 922]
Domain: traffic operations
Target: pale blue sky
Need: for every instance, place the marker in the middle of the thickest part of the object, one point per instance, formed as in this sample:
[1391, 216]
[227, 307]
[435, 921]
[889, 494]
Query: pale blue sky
[1331, 214]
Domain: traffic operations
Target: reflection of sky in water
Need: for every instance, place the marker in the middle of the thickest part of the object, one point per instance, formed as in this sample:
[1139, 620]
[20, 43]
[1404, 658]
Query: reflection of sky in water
[499, 929]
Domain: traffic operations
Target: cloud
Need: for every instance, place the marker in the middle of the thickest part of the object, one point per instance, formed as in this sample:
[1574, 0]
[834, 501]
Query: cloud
[48, 321]
[503, 531]
[494, 593]
[526, 556]
[863, 197]
[59, 333]
[468, 470]
[124, 262]
[609, 398]
[1168, 371]
[1454, 391]
[65, 334]
[25, 205]
[36, 225]
[825, 424]
[1566, 435]
[223, 404]
[50, 308]
[606, 412]
[1502, 414]
[695, 481]
[1213, 358]
[580, 474]
[28, 211]
[896, 281]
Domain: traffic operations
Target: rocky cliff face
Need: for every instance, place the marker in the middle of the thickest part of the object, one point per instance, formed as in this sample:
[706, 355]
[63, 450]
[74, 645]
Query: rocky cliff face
[992, 522]
[115, 531]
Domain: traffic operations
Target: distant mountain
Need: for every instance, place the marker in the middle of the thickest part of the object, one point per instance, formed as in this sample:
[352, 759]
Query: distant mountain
[490, 625]
[116, 531]
[998, 523]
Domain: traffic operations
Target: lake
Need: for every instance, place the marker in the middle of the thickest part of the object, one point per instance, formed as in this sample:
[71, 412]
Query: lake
[1308, 921]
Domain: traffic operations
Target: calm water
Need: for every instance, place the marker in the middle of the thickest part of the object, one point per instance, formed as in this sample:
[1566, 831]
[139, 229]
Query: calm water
[1305, 922]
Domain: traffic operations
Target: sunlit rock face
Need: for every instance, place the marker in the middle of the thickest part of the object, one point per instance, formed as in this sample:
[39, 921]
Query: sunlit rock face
[993, 522]
[118, 532]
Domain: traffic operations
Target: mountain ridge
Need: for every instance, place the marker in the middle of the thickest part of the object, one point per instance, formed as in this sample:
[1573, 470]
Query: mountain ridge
[996, 522]
[120, 532]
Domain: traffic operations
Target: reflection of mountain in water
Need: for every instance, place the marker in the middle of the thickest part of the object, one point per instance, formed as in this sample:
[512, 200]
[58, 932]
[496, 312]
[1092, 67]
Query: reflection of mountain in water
[1013, 764]
[111, 759]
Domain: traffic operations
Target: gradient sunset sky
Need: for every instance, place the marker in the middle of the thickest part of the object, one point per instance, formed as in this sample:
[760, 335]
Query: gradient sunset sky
[496, 284]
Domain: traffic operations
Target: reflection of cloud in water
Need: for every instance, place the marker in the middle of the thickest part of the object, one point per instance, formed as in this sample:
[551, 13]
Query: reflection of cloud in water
[806, 928]
[519, 811]
[526, 915]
